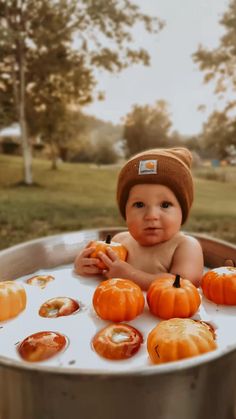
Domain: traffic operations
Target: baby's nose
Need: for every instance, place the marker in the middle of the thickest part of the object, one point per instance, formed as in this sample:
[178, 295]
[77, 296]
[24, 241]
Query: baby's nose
[152, 213]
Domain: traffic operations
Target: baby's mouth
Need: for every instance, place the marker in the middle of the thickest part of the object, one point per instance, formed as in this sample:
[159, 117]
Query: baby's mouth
[152, 228]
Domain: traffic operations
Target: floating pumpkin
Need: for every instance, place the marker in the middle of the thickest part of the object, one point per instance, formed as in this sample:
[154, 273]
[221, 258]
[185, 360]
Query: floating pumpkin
[12, 299]
[219, 285]
[175, 339]
[59, 306]
[118, 300]
[101, 246]
[117, 341]
[40, 280]
[41, 346]
[168, 298]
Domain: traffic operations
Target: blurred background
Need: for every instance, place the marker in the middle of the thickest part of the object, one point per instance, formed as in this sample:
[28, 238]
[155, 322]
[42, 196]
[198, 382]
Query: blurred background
[84, 84]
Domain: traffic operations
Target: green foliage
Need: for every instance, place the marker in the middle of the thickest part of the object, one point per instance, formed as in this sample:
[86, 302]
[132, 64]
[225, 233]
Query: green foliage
[39, 69]
[7, 115]
[218, 133]
[62, 131]
[93, 141]
[147, 127]
[219, 65]
[105, 153]
[40, 36]
[101, 152]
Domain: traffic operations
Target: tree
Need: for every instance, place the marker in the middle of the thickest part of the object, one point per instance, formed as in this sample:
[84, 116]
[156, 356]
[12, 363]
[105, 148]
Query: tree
[99, 141]
[219, 65]
[217, 135]
[35, 40]
[40, 63]
[147, 127]
[59, 128]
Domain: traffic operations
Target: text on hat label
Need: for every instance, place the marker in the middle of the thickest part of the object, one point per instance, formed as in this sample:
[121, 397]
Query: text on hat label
[147, 167]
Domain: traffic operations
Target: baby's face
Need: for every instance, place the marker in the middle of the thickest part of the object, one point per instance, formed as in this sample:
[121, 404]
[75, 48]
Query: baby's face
[153, 214]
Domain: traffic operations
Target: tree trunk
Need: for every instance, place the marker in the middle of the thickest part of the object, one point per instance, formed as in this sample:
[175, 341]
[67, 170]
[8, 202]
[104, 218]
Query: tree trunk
[54, 156]
[27, 153]
[26, 148]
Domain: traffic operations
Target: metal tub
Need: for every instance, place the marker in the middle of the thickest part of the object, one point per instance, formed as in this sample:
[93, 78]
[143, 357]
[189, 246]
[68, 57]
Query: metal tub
[197, 388]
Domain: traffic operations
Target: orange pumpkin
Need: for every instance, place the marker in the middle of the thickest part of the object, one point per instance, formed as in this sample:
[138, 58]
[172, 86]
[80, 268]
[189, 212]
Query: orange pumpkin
[12, 299]
[118, 300]
[219, 285]
[117, 341]
[168, 298]
[175, 339]
[101, 246]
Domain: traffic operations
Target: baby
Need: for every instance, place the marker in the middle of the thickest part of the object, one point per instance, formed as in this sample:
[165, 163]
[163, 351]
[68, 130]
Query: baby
[154, 195]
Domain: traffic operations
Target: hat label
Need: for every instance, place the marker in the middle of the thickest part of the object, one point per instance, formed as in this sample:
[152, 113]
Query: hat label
[147, 167]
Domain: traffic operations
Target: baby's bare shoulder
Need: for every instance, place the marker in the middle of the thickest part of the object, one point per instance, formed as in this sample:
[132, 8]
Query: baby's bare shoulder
[121, 237]
[188, 248]
[189, 241]
[188, 260]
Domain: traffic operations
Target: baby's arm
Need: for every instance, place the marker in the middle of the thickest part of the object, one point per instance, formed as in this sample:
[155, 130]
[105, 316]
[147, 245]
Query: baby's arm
[188, 260]
[117, 268]
[84, 264]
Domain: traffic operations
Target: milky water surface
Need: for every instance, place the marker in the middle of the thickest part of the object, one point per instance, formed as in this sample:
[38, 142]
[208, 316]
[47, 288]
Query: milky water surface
[81, 327]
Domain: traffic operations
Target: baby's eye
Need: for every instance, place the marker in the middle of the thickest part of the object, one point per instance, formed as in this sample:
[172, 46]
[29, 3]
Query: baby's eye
[138, 204]
[166, 204]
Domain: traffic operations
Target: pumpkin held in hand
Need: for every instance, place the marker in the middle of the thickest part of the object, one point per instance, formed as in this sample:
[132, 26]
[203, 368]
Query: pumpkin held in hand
[12, 299]
[175, 339]
[117, 341]
[101, 246]
[118, 300]
[219, 285]
[168, 298]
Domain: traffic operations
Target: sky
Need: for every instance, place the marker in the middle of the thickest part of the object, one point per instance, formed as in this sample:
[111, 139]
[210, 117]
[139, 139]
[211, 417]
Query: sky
[172, 75]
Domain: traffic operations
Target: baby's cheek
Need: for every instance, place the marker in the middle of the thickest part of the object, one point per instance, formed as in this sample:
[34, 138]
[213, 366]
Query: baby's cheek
[133, 227]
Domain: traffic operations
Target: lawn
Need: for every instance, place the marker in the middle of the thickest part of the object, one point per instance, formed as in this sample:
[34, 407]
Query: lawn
[80, 196]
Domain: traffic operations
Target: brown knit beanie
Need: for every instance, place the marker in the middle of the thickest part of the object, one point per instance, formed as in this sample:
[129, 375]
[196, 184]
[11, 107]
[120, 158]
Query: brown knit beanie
[164, 166]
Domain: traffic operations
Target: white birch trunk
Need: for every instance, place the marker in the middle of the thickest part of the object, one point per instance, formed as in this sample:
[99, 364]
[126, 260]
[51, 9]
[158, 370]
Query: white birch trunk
[26, 148]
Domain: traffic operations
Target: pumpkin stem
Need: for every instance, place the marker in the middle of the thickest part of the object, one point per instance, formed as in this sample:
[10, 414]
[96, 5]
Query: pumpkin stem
[108, 239]
[176, 283]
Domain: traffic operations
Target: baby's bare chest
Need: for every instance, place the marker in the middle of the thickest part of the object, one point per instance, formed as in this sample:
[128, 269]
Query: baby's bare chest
[152, 259]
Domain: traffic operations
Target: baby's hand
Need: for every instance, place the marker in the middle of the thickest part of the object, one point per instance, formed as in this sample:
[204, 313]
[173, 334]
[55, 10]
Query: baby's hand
[85, 265]
[116, 268]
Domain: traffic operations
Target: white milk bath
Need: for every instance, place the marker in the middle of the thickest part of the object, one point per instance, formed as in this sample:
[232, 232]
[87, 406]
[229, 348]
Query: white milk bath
[81, 327]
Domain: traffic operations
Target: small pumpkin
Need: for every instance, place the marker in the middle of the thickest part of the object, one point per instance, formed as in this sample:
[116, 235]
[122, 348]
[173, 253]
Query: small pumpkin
[117, 341]
[219, 285]
[168, 298]
[118, 300]
[101, 246]
[12, 299]
[176, 339]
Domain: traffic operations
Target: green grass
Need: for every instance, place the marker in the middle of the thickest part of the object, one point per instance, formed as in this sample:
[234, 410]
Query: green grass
[80, 196]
